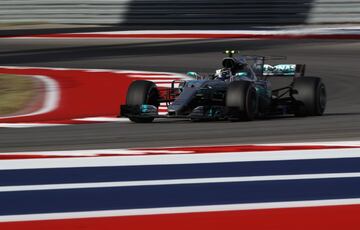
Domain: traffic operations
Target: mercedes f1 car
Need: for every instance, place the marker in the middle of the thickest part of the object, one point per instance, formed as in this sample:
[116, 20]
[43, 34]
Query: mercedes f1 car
[240, 91]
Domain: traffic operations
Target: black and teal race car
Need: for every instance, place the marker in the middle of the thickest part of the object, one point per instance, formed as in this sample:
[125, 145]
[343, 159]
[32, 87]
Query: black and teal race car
[242, 90]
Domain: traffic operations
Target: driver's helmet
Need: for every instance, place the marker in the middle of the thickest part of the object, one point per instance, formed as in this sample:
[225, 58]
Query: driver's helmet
[193, 75]
[223, 74]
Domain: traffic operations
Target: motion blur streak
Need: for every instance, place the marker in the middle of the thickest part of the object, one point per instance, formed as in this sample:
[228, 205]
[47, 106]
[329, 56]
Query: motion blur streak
[307, 33]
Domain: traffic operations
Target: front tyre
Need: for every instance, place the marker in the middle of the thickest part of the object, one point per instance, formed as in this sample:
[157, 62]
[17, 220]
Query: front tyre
[142, 92]
[241, 101]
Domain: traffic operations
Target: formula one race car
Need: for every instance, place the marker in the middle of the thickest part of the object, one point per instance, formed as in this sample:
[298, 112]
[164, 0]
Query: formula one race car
[240, 90]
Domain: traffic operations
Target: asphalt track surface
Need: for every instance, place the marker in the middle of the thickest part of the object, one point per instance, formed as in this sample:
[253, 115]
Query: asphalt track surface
[336, 61]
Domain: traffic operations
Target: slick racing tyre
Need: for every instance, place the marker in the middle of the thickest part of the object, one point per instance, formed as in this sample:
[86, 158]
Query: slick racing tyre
[310, 96]
[241, 101]
[142, 92]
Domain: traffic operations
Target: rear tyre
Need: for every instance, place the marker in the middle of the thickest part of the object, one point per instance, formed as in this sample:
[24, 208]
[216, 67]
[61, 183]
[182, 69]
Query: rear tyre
[241, 101]
[310, 96]
[142, 92]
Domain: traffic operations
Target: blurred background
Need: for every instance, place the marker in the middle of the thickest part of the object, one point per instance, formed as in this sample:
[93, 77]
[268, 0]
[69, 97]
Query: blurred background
[189, 14]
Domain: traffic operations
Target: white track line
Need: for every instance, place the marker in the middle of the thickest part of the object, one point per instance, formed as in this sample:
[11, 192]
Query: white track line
[162, 81]
[170, 157]
[103, 119]
[166, 85]
[179, 210]
[296, 31]
[168, 77]
[321, 143]
[354, 143]
[94, 153]
[28, 125]
[176, 182]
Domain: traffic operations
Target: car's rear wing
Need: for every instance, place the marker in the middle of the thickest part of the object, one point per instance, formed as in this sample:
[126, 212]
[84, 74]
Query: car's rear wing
[291, 70]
